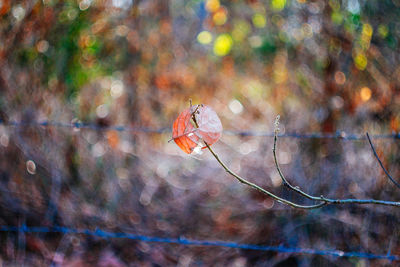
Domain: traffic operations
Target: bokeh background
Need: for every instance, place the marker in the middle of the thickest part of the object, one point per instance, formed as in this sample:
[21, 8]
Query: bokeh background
[324, 66]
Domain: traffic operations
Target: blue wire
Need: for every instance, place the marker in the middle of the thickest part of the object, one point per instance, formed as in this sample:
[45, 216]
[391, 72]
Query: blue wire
[191, 242]
[120, 128]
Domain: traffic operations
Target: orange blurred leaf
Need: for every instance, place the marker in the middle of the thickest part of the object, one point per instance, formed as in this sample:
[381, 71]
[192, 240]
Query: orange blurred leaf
[113, 139]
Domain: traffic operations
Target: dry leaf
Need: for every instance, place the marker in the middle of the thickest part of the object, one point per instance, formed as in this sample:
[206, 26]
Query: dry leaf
[188, 137]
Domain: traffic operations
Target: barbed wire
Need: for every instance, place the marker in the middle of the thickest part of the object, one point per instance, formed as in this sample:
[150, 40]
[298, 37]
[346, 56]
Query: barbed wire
[193, 242]
[121, 128]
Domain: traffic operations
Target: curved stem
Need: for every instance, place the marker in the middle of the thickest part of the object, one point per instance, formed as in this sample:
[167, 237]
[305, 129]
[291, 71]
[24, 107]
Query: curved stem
[244, 181]
[285, 182]
[322, 198]
[262, 190]
[323, 201]
[380, 162]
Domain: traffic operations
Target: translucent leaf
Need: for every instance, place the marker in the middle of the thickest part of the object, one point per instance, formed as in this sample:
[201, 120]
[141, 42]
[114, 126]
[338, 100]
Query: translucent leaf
[187, 136]
[210, 127]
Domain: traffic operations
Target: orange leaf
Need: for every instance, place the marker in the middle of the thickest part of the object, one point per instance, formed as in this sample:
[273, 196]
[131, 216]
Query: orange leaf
[187, 136]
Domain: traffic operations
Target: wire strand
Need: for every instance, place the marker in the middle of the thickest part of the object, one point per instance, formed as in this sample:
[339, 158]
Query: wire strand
[121, 128]
[193, 242]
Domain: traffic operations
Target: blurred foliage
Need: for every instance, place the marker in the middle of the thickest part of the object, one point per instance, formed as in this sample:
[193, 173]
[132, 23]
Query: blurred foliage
[314, 55]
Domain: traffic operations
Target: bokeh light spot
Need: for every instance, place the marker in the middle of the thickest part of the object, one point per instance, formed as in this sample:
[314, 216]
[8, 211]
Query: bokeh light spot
[212, 5]
[283, 36]
[248, 147]
[337, 102]
[102, 111]
[337, 18]
[255, 41]
[235, 106]
[259, 20]
[365, 94]
[42, 46]
[366, 35]
[278, 5]
[353, 6]
[360, 60]
[122, 30]
[117, 89]
[123, 4]
[31, 167]
[220, 17]
[240, 30]
[367, 30]
[84, 4]
[18, 12]
[72, 13]
[306, 30]
[204, 37]
[383, 31]
[340, 78]
[276, 180]
[223, 44]
[4, 140]
[98, 150]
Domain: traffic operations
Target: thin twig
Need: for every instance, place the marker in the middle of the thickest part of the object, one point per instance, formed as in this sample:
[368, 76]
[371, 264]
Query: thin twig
[322, 198]
[262, 190]
[323, 201]
[284, 180]
[380, 162]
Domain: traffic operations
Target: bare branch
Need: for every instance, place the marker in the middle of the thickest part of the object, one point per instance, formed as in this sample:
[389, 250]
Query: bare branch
[285, 182]
[322, 198]
[262, 190]
[323, 201]
[380, 162]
